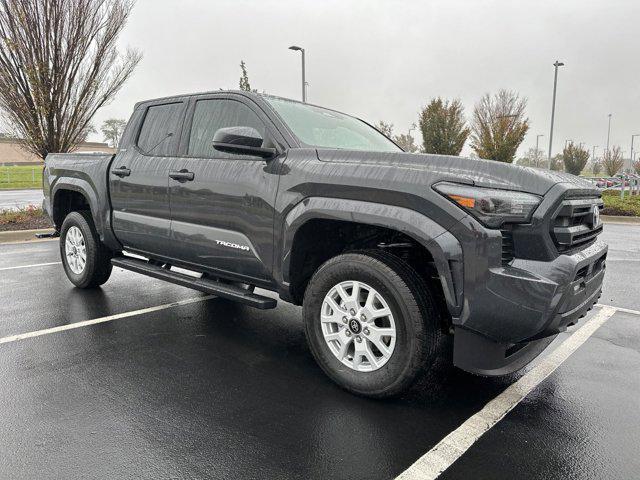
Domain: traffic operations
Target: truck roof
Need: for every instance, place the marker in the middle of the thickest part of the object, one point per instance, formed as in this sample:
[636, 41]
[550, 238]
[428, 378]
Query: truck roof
[238, 92]
[213, 92]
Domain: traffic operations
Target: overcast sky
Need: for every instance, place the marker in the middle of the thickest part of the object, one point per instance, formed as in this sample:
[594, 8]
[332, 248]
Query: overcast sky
[386, 59]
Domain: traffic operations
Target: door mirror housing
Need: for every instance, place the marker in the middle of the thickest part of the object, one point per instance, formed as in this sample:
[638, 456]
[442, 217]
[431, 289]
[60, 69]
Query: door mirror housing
[241, 141]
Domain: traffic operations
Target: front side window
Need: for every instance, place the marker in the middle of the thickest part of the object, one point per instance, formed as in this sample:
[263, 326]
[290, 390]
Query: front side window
[319, 127]
[159, 128]
[211, 115]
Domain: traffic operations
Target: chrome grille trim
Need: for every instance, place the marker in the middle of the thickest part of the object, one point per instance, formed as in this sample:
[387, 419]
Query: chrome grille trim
[572, 225]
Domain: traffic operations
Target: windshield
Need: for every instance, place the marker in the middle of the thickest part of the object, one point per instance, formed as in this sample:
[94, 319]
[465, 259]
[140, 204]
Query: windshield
[320, 127]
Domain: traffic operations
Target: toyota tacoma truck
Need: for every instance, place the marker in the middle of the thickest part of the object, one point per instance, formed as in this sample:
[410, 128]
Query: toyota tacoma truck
[389, 253]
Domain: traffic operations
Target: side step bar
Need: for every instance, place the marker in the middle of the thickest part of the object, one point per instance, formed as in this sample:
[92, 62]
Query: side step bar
[213, 287]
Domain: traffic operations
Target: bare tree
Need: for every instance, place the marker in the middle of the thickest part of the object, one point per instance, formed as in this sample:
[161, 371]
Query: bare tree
[112, 129]
[59, 64]
[244, 78]
[384, 128]
[596, 167]
[612, 161]
[575, 158]
[533, 158]
[406, 142]
[636, 166]
[499, 126]
[557, 162]
[443, 127]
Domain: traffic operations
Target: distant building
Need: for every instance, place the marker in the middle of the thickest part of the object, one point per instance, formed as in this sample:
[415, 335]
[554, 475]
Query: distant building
[12, 153]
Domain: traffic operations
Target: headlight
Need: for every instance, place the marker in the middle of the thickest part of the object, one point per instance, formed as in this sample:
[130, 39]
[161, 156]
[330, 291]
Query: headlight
[490, 206]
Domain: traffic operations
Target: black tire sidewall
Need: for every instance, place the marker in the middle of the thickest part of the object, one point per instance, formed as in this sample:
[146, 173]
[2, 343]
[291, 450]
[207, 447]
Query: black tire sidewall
[85, 278]
[397, 373]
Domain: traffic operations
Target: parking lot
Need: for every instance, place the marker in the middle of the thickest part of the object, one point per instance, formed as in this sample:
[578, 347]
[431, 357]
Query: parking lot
[123, 382]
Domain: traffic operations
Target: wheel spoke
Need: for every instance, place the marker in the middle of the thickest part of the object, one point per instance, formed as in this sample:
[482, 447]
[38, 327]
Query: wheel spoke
[355, 293]
[337, 311]
[329, 318]
[344, 346]
[380, 345]
[362, 350]
[368, 304]
[343, 293]
[383, 312]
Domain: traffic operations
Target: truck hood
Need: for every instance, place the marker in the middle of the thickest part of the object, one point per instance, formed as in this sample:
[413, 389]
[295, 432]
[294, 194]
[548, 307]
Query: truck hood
[484, 173]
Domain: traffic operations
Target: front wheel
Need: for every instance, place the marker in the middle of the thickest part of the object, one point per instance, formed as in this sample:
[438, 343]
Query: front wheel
[371, 323]
[86, 261]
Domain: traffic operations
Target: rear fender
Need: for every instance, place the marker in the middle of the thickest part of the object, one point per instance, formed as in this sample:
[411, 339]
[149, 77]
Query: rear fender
[98, 206]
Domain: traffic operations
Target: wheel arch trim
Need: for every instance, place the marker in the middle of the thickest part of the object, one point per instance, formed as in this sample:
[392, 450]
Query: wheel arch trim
[440, 243]
[100, 207]
[82, 187]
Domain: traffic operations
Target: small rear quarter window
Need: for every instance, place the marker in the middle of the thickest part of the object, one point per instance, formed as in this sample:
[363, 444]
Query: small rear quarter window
[159, 128]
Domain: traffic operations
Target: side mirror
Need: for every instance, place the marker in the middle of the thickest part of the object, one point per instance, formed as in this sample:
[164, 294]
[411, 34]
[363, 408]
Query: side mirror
[241, 141]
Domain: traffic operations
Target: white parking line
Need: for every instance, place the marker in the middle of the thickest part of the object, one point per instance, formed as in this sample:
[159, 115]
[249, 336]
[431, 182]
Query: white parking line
[71, 326]
[30, 266]
[620, 309]
[454, 445]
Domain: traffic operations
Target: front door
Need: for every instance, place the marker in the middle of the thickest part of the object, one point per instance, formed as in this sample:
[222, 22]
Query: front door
[139, 179]
[222, 206]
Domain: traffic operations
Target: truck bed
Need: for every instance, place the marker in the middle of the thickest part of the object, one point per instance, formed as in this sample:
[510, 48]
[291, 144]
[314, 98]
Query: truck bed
[86, 173]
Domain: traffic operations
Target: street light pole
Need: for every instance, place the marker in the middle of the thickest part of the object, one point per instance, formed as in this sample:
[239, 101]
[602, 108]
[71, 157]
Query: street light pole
[593, 153]
[608, 132]
[553, 104]
[304, 81]
[537, 139]
[631, 154]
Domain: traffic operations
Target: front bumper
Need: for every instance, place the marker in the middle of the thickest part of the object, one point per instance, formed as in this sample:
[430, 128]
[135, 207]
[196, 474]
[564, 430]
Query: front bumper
[521, 307]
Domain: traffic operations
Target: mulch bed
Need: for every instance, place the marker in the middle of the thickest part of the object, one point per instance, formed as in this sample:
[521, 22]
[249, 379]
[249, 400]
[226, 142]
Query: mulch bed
[24, 222]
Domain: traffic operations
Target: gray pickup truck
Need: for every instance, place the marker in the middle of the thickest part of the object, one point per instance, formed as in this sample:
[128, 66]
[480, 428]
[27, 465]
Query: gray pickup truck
[389, 253]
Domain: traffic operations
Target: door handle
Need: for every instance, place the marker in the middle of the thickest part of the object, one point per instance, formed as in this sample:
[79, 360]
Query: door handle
[121, 172]
[182, 176]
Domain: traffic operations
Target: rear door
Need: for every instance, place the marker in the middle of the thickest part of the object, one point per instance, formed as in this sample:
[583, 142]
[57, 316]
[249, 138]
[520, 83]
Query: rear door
[139, 178]
[222, 217]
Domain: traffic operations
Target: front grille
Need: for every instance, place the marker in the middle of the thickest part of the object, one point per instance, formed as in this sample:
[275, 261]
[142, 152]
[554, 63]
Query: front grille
[507, 246]
[573, 225]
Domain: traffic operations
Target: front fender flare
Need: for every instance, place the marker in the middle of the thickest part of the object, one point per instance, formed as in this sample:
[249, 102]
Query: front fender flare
[441, 244]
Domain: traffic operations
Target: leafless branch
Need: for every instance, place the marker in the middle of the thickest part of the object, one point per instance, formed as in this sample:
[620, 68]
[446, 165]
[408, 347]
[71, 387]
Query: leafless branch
[59, 64]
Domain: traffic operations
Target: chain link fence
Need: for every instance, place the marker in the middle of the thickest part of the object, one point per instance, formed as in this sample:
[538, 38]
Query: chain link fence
[20, 176]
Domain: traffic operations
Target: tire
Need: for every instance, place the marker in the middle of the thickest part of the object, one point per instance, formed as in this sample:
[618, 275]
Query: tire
[413, 313]
[79, 230]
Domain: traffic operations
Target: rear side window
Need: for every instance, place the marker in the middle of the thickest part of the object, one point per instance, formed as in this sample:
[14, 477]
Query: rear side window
[211, 115]
[159, 129]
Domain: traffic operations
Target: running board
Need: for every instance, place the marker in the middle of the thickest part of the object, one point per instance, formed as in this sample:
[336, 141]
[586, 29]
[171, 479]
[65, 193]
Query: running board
[213, 287]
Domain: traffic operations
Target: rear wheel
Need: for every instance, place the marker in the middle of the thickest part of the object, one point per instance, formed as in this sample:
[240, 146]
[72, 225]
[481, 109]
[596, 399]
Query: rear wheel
[86, 261]
[371, 323]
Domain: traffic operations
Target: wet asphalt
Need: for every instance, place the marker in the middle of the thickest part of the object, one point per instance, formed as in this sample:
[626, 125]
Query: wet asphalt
[217, 390]
[13, 199]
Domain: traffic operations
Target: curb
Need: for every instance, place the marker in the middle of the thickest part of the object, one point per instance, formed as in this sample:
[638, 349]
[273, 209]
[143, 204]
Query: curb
[19, 236]
[620, 220]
